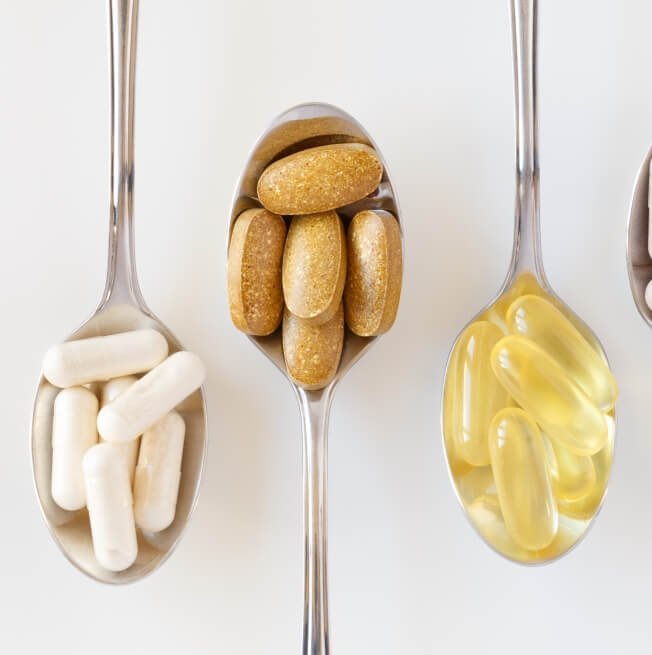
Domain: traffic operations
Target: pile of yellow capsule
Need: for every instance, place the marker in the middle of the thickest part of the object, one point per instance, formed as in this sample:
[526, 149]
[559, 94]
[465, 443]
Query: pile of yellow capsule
[528, 424]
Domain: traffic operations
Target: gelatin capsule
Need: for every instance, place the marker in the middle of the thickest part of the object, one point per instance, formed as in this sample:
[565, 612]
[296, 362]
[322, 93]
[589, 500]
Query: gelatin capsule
[473, 394]
[536, 318]
[573, 476]
[522, 479]
[543, 389]
[586, 507]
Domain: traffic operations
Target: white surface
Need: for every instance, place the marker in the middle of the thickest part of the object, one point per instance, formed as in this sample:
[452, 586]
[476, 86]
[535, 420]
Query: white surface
[432, 82]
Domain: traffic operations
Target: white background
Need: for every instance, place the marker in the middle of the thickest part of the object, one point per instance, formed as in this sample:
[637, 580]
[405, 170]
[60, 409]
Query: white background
[432, 83]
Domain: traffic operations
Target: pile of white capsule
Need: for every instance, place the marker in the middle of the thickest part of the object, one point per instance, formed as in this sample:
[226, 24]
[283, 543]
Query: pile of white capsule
[125, 480]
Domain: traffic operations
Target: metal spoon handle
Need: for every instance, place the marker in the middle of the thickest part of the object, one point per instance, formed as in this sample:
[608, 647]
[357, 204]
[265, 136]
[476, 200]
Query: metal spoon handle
[315, 410]
[526, 255]
[121, 280]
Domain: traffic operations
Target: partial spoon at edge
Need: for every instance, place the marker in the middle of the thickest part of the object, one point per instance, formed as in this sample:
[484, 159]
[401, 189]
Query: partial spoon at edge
[301, 127]
[526, 276]
[121, 308]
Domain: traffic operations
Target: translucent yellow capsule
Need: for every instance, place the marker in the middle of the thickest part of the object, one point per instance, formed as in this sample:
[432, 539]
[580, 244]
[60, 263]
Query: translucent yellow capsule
[522, 479]
[473, 395]
[539, 320]
[573, 476]
[543, 389]
[586, 507]
[478, 480]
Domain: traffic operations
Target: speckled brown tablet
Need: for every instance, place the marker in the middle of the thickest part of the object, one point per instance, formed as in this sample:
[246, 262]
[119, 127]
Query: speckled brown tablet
[254, 271]
[319, 179]
[314, 266]
[312, 352]
[375, 271]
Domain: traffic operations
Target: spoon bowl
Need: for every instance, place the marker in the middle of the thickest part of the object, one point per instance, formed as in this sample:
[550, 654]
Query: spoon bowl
[121, 308]
[306, 126]
[474, 483]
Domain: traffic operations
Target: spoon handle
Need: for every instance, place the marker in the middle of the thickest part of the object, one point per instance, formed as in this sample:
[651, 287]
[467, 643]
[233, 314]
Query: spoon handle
[315, 410]
[121, 282]
[527, 247]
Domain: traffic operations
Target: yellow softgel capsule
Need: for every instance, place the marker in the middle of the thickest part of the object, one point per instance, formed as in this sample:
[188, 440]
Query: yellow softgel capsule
[534, 317]
[573, 476]
[522, 479]
[473, 395]
[542, 388]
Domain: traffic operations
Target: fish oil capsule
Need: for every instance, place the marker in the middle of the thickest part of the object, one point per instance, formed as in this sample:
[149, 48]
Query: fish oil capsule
[129, 449]
[151, 397]
[158, 473]
[73, 432]
[320, 179]
[314, 266]
[375, 267]
[536, 318]
[522, 479]
[473, 394]
[573, 476]
[110, 508]
[254, 271]
[543, 389]
[101, 358]
[585, 508]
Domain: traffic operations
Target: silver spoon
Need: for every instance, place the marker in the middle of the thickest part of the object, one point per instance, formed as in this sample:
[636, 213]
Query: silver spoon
[302, 127]
[526, 275]
[121, 308]
[639, 263]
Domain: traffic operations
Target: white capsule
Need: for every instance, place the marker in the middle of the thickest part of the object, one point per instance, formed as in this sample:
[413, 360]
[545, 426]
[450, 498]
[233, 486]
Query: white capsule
[152, 397]
[102, 358]
[158, 473]
[110, 508]
[74, 431]
[129, 449]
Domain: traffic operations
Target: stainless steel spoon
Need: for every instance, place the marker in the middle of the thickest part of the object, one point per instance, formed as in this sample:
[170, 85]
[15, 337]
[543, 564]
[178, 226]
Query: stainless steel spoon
[302, 127]
[526, 275]
[639, 262]
[121, 308]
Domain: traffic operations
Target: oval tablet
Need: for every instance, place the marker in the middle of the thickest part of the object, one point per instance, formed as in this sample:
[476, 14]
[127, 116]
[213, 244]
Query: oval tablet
[110, 508]
[254, 271]
[319, 179]
[74, 431]
[314, 266]
[101, 358]
[152, 397]
[518, 462]
[158, 473]
[374, 273]
[312, 352]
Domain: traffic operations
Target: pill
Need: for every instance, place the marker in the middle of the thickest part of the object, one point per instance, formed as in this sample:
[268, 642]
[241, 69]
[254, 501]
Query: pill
[156, 485]
[102, 358]
[543, 389]
[536, 318]
[314, 266]
[73, 433]
[254, 271]
[312, 352]
[319, 179]
[585, 508]
[522, 479]
[375, 269]
[151, 397]
[110, 508]
[573, 476]
[129, 449]
[473, 395]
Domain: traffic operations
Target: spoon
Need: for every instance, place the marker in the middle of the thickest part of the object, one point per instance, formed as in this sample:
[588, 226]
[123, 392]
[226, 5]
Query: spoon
[301, 127]
[639, 263]
[474, 485]
[121, 308]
